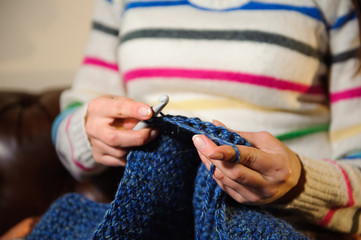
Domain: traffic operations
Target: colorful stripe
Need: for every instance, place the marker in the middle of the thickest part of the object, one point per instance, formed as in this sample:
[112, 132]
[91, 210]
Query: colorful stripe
[354, 156]
[105, 29]
[344, 56]
[345, 133]
[345, 95]
[74, 105]
[76, 163]
[101, 63]
[58, 120]
[351, 201]
[341, 21]
[254, 36]
[303, 132]
[252, 5]
[213, 75]
[210, 103]
[206, 103]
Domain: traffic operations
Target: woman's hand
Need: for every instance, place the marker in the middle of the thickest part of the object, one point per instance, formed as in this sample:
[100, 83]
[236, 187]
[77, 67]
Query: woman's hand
[109, 124]
[266, 172]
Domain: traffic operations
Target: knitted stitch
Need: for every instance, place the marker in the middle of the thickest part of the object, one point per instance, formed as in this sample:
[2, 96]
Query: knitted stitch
[164, 194]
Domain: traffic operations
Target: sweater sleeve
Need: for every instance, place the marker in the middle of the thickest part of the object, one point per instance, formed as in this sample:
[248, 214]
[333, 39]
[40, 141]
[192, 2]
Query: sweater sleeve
[98, 75]
[332, 190]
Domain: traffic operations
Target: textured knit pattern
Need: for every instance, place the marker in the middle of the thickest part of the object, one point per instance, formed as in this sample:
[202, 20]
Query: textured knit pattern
[289, 67]
[154, 198]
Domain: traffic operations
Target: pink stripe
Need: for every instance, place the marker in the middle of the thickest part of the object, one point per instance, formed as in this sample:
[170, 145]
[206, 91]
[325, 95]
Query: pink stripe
[351, 201]
[100, 63]
[344, 95]
[79, 165]
[259, 80]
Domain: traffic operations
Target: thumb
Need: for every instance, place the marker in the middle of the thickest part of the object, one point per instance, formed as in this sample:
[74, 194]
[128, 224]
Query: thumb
[249, 136]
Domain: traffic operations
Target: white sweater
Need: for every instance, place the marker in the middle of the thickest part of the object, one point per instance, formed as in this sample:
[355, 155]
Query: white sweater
[289, 67]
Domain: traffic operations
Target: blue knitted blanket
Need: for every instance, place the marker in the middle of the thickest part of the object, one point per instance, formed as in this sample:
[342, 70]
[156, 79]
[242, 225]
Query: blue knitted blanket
[165, 193]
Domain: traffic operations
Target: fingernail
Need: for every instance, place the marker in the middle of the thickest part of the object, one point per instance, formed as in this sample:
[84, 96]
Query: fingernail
[144, 111]
[199, 142]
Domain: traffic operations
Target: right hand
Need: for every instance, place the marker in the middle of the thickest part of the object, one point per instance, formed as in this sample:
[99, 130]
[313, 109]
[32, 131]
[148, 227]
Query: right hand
[109, 122]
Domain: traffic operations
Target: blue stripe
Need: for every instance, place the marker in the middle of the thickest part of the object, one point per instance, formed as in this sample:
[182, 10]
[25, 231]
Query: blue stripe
[343, 20]
[131, 5]
[354, 156]
[58, 120]
[308, 11]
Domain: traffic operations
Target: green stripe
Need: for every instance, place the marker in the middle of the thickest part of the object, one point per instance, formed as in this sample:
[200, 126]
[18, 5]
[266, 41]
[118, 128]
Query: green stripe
[303, 132]
[73, 105]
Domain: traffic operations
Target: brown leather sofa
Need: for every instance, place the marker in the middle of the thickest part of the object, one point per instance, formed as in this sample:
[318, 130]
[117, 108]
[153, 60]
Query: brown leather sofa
[31, 175]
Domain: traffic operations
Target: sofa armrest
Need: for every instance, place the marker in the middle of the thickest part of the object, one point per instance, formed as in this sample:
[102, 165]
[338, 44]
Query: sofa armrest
[31, 175]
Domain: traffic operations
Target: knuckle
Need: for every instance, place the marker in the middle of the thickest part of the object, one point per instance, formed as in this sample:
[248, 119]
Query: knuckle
[93, 105]
[139, 140]
[265, 134]
[89, 129]
[97, 157]
[111, 138]
[121, 154]
[284, 176]
[238, 198]
[103, 159]
[219, 175]
[239, 176]
[247, 159]
[269, 193]
[254, 199]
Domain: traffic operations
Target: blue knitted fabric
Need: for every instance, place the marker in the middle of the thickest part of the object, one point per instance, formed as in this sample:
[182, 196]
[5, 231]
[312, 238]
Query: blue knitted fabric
[165, 193]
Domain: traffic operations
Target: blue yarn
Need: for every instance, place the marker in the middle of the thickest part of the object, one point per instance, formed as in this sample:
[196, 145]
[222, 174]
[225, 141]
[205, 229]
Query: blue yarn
[165, 193]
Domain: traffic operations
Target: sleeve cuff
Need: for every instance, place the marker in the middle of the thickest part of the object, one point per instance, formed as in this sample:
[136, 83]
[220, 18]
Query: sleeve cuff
[322, 190]
[74, 147]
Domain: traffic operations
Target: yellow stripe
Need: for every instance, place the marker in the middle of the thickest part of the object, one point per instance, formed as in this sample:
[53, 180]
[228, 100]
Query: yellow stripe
[345, 133]
[206, 104]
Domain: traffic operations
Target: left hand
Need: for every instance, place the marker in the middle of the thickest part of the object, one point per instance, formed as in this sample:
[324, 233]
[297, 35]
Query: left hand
[265, 173]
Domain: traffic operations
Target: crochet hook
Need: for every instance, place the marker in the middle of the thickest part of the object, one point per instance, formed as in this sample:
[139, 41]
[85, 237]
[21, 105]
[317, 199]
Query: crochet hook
[163, 101]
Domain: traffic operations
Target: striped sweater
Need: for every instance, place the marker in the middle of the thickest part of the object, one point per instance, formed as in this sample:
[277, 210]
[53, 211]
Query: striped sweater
[289, 67]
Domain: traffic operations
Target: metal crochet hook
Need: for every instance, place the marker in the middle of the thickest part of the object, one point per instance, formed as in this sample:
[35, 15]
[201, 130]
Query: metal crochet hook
[163, 101]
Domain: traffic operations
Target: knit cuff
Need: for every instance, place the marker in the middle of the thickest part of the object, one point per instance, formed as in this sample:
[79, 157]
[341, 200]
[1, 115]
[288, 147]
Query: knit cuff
[74, 146]
[322, 190]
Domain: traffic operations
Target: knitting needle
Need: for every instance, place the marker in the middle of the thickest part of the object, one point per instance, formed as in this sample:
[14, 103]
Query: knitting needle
[163, 101]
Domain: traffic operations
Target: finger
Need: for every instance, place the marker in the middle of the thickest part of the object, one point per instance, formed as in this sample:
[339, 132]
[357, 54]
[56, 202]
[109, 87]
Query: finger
[262, 140]
[255, 159]
[205, 160]
[218, 123]
[251, 157]
[120, 107]
[108, 160]
[235, 175]
[104, 149]
[127, 138]
[231, 192]
[224, 153]
[254, 138]
[223, 158]
[243, 195]
[124, 123]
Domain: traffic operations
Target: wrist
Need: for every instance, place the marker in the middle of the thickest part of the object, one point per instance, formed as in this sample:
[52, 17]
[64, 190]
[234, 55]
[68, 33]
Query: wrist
[296, 190]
